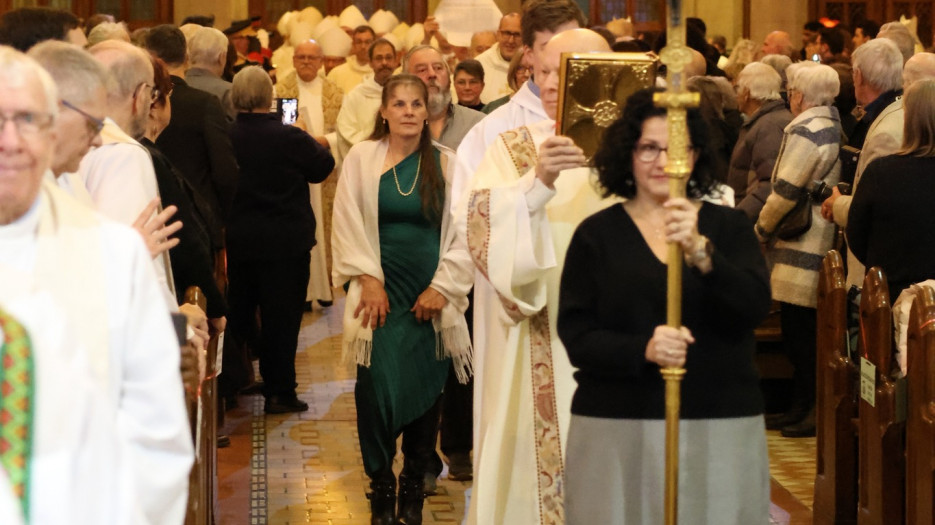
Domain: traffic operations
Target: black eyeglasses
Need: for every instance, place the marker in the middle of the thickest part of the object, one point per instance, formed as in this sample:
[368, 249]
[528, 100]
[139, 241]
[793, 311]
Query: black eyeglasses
[510, 34]
[649, 151]
[95, 125]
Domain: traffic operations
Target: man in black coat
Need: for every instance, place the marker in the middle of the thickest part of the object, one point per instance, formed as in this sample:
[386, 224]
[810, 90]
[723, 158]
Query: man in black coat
[196, 139]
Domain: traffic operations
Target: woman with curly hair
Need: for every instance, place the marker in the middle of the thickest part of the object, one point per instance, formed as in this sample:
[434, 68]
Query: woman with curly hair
[611, 319]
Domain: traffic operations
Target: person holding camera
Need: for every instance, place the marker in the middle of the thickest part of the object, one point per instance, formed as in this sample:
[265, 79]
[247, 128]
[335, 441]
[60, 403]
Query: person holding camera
[270, 232]
[795, 236]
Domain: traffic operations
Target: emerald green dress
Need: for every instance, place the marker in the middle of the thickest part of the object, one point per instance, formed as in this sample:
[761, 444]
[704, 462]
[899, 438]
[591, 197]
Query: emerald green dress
[405, 377]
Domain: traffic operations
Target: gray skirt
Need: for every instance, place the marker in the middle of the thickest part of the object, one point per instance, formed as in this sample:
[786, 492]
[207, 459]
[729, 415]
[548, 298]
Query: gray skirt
[615, 472]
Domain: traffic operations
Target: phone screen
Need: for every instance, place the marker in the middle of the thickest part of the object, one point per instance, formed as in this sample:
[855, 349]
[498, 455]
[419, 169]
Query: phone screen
[288, 109]
[816, 58]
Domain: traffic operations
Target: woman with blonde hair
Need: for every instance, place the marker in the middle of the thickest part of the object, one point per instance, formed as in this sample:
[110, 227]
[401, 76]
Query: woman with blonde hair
[891, 224]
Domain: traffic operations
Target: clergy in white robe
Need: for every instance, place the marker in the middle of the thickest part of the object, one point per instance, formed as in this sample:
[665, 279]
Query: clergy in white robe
[99, 275]
[350, 74]
[495, 74]
[359, 109]
[516, 230]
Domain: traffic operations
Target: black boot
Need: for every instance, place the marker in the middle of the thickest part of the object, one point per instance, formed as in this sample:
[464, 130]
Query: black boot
[411, 498]
[382, 502]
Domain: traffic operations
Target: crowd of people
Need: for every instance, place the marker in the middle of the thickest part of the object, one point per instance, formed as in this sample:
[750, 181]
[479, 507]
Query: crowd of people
[503, 292]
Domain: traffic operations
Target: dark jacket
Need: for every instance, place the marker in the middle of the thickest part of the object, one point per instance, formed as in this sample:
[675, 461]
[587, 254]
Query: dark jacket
[272, 215]
[197, 143]
[751, 164]
[192, 260]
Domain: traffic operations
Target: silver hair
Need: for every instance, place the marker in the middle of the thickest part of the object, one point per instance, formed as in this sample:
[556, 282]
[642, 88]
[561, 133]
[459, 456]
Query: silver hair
[422, 47]
[205, 45]
[129, 66]
[252, 89]
[880, 64]
[920, 67]
[777, 62]
[108, 31]
[818, 83]
[76, 73]
[761, 81]
[15, 70]
[899, 34]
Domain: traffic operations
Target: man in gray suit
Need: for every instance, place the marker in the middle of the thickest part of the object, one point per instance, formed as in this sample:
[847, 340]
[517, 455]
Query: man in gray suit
[207, 54]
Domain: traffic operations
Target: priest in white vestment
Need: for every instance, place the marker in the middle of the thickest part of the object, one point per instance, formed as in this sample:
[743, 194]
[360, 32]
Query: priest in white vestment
[99, 276]
[350, 74]
[359, 109]
[516, 222]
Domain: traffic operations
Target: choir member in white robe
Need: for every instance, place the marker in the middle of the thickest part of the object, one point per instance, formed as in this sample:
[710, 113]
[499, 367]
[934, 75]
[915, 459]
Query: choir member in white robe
[359, 108]
[516, 226]
[496, 59]
[99, 275]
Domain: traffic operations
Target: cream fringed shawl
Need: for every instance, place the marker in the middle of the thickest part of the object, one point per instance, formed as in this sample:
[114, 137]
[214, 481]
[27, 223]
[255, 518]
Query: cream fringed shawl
[355, 242]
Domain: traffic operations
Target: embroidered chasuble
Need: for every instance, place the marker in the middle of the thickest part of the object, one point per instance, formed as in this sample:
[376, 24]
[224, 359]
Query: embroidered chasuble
[16, 407]
[517, 231]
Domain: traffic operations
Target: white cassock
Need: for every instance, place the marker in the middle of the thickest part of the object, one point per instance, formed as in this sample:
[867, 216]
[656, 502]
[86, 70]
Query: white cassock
[74, 460]
[350, 74]
[496, 67]
[319, 287]
[121, 181]
[358, 114]
[99, 275]
[517, 232]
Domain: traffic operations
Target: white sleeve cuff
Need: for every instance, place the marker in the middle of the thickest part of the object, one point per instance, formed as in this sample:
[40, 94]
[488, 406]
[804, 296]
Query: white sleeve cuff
[537, 193]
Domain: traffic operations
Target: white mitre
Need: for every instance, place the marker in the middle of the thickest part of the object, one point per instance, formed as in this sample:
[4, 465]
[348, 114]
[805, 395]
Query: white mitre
[401, 31]
[310, 15]
[351, 17]
[399, 46]
[329, 22]
[301, 32]
[284, 26]
[383, 22]
[335, 43]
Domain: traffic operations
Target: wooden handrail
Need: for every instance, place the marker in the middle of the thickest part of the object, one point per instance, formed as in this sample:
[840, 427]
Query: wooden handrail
[920, 425]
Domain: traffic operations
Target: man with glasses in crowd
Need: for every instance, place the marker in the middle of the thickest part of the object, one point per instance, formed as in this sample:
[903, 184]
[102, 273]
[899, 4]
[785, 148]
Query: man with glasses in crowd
[496, 60]
[350, 74]
[359, 111]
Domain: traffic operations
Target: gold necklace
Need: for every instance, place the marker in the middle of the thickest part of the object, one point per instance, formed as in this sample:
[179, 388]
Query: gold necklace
[414, 181]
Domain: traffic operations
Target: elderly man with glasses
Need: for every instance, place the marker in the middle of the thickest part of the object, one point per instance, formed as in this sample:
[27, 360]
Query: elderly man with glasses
[496, 60]
[124, 457]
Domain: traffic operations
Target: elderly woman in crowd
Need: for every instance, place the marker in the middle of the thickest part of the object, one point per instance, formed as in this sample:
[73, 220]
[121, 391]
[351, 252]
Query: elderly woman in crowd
[754, 155]
[270, 232]
[389, 226]
[891, 224]
[808, 154]
[612, 318]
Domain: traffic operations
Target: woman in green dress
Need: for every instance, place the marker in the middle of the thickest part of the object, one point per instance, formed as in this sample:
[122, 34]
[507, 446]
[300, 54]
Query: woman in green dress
[402, 310]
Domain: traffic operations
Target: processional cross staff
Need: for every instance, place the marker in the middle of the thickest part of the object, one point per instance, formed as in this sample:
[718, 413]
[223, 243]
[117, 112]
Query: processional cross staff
[675, 99]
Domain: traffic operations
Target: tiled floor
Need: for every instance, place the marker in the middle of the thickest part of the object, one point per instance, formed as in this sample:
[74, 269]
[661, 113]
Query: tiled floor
[306, 468]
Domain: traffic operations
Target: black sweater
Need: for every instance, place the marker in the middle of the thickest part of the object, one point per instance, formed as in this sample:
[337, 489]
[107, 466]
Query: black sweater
[613, 295]
[891, 223]
[272, 215]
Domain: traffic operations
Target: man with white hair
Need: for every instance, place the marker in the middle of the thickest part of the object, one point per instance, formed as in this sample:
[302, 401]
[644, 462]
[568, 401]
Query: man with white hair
[777, 43]
[96, 277]
[448, 122]
[754, 155]
[901, 36]
[351, 73]
[878, 82]
[481, 41]
[521, 221]
[207, 54]
[496, 59]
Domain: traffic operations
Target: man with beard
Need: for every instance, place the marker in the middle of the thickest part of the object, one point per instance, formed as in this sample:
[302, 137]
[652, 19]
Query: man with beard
[359, 110]
[448, 122]
[496, 60]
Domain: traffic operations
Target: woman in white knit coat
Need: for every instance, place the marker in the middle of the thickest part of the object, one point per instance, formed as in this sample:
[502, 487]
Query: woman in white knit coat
[809, 152]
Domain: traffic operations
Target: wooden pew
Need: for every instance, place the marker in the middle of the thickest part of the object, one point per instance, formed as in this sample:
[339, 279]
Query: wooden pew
[920, 425]
[836, 405]
[202, 492]
[881, 499]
